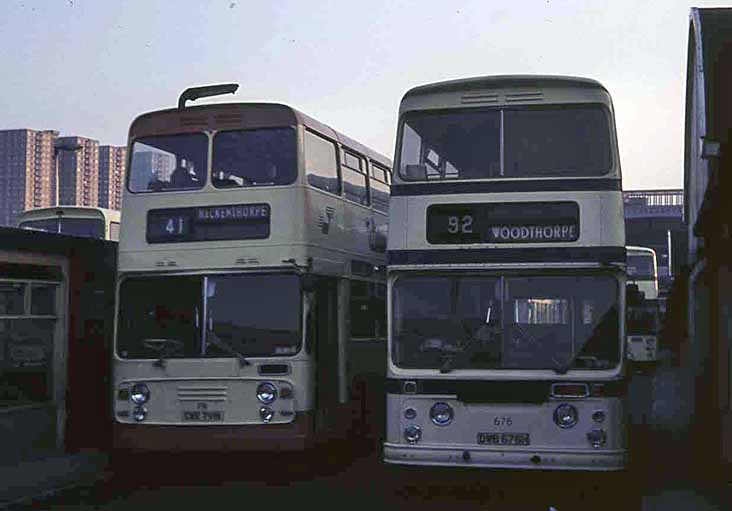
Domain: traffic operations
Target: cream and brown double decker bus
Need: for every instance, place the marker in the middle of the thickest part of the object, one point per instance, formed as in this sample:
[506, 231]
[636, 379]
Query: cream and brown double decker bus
[506, 276]
[251, 291]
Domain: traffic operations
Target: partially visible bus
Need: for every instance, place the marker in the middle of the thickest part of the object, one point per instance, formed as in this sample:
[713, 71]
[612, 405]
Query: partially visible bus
[251, 295]
[506, 278]
[643, 322]
[643, 271]
[82, 221]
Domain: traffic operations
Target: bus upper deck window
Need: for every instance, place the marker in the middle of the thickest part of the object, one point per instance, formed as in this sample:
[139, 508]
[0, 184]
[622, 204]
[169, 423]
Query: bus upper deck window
[256, 157]
[168, 162]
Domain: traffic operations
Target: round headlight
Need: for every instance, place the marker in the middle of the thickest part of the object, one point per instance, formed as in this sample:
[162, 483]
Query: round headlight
[266, 413]
[140, 394]
[598, 416]
[266, 393]
[410, 414]
[412, 434]
[441, 414]
[139, 413]
[565, 416]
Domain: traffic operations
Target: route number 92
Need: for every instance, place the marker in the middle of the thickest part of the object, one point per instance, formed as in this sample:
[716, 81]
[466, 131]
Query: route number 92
[502, 421]
[462, 225]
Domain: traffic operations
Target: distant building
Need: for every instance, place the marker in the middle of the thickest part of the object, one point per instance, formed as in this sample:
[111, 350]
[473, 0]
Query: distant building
[148, 166]
[27, 178]
[111, 176]
[655, 219]
[79, 173]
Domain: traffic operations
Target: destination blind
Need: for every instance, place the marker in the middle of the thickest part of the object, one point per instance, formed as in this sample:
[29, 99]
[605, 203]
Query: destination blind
[515, 222]
[209, 223]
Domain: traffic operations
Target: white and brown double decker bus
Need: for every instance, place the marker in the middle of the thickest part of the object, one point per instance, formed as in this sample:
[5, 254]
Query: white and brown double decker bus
[506, 277]
[251, 291]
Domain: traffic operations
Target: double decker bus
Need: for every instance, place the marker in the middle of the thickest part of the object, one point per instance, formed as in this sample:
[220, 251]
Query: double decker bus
[506, 277]
[87, 222]
[643, 271]
[251, 292]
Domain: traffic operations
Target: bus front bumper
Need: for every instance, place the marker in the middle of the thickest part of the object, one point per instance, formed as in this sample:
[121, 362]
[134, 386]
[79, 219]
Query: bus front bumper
[537, 459]
[294, 436]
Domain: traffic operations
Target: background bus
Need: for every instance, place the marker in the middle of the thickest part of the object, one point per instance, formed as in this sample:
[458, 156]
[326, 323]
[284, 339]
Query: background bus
[74, 221]
[251, 293]
[507, 277]
[643, 271]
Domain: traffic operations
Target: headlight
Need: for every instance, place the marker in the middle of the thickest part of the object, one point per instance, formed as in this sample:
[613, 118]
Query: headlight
[139, 413]
[565, 416]
[412, 434]
[441, 414]
[266, 413]
[140, 394]
[597, 438]
[266, 393]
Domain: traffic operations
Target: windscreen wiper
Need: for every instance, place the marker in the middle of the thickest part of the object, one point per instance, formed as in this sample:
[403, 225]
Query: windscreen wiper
[163, 347]
[224, 346]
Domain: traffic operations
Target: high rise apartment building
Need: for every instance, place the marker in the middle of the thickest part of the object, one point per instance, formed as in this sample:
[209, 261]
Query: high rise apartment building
[111, 176]
[79, 172]
[26, 172]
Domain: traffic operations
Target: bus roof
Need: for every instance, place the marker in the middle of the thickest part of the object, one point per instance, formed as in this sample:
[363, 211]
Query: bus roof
[62, 210]
[145, 123]
[646, 250]
[503, 80]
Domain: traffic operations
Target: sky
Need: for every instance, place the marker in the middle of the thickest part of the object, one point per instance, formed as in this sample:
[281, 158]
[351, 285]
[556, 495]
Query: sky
[89, 67]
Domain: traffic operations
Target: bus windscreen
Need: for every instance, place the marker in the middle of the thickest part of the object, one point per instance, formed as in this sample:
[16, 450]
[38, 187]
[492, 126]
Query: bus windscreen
[168, 162]
[521, 322]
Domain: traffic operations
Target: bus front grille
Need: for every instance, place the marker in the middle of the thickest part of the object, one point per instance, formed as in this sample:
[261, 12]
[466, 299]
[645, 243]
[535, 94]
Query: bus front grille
[201, 393]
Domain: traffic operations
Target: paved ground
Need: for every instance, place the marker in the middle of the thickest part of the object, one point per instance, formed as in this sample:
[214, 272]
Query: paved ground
[246, 482]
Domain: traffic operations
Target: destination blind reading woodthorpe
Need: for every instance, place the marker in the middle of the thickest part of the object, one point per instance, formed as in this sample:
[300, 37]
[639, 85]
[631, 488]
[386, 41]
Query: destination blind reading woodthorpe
[503, 222]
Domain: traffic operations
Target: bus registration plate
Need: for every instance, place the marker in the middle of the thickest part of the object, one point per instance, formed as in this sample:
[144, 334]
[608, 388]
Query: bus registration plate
[200, 416]
[503, 439]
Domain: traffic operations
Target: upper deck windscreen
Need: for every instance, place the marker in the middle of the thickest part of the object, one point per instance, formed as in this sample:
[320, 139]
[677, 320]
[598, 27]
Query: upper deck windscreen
[541, 141]
[257, 157]
[168, 162]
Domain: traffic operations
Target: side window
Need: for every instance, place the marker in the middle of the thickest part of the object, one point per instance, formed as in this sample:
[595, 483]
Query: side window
[368, 310]
[321, 163]
[355, 186]
[379, 188]
[114, 231]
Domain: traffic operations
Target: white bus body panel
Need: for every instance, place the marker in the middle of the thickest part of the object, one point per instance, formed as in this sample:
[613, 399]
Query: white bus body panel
[551, 447]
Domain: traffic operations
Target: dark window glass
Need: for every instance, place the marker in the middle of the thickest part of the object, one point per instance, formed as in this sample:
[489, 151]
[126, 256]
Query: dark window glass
[542, 141]
[368, 310]
[522, 322]
[12, 298]
[86, 227]
[557, 142]
[380, 195]
[352, 161]
[456, 145]
[170, 162]
[256, 315]
[259, 157]
[159, 308]
[355, 187]
[26, 365]
[43, 299]
[48, 225]
[641, 266]
[321, 164]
